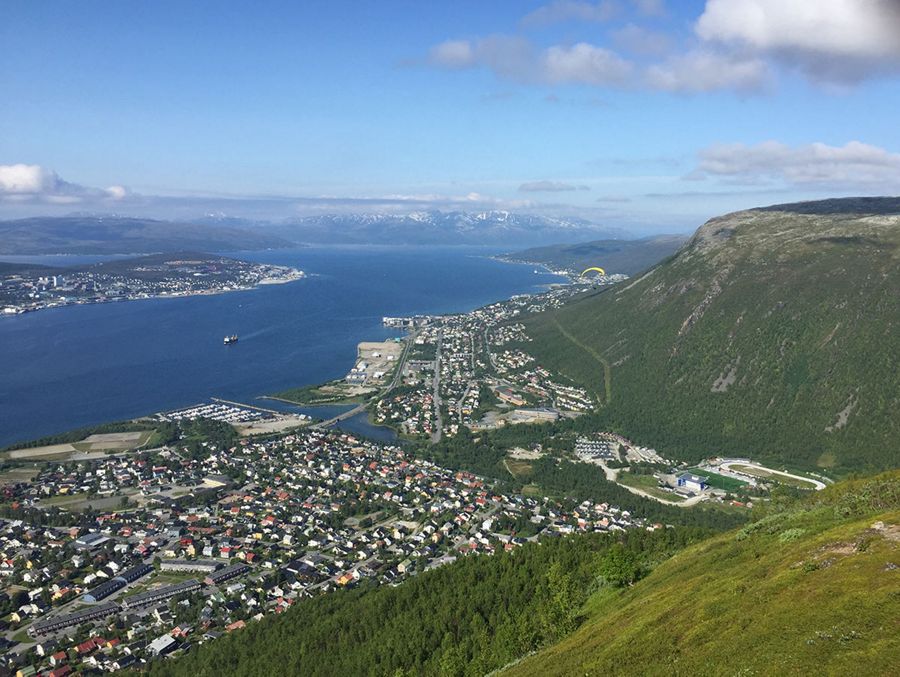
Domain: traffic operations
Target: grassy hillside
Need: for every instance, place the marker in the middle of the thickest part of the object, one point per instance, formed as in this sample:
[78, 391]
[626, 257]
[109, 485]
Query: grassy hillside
[615, 256]
[773, 333]
[811, 590]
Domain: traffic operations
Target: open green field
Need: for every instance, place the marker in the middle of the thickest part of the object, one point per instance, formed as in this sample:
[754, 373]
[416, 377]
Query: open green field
[532, 490]
[22, 636]
[112, 442]
[649, 484]
[719, 481]
[518, 468]
[161, 578]
[82, 501]
[15, 475]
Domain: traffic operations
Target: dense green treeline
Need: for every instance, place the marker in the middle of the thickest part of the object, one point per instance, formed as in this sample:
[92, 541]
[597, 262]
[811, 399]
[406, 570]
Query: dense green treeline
[466, 618]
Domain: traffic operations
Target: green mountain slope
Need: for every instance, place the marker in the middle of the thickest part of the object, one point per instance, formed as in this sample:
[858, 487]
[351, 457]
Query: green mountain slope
[812, 590]
[615, 256]
[773, 333]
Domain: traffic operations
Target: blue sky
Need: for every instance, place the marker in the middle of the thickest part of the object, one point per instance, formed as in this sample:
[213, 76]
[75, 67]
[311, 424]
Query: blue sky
[650, 115]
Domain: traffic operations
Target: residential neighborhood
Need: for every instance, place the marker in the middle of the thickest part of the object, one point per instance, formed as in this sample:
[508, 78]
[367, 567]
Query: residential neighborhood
[201, 543]
[473, 371]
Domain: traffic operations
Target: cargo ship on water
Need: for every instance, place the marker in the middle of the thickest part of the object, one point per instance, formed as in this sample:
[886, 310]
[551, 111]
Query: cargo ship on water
[231, 339]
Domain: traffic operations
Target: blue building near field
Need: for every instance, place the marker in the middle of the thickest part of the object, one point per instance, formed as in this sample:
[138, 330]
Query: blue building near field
[693, 482]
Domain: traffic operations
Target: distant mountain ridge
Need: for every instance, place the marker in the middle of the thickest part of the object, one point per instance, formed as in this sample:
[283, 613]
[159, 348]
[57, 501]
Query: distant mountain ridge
[773, 333]
[614, 256]
[124, 235]
[98, 234]
[493, 227]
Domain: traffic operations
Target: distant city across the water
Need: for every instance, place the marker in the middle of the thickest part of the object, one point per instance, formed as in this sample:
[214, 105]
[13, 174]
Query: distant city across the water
[81, 365]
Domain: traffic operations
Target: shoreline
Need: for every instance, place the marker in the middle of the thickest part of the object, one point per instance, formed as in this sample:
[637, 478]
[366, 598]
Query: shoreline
[505, 258]
[262, 396]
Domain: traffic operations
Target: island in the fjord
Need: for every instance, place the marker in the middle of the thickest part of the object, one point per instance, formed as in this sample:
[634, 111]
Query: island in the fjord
[26, 287]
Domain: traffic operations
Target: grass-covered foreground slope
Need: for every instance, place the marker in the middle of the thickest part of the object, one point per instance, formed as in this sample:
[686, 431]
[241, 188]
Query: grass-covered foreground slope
[773, 333]
[813, 590]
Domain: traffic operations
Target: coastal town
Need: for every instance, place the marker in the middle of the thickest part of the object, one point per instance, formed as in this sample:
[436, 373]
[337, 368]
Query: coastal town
[26, 288]
[472, 370]
[204, 541]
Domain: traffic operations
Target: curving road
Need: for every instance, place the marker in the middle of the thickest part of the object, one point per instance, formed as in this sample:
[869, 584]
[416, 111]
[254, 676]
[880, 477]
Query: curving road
[756, 466]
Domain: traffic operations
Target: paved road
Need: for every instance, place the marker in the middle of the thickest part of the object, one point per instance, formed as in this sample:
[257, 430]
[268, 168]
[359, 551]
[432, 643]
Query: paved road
[727, 466]
[340, 417]
[612, 474]
[438, 423]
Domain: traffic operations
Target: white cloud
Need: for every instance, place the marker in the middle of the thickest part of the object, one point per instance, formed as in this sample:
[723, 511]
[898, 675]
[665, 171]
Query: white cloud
[639, 40]
[549, 187]
[572, 10]
[854, 165]
[650, 7]
[707, 71]
[24, 183]
[737, 43]
[584, 63]
[453, 54]
[517, 59]
[509, 57]
[841, 41]
[27, 180]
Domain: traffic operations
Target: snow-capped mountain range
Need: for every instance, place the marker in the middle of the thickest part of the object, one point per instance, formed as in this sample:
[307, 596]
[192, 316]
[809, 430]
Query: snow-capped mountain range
[436, 227]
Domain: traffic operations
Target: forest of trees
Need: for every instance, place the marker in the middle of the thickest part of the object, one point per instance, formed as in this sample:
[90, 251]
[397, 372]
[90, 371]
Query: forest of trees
[466, 618]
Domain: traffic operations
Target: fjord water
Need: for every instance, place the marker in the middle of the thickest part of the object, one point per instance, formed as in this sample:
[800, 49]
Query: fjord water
[68, 367]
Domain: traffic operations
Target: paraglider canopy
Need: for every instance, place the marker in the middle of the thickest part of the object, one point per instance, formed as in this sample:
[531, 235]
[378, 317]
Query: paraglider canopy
[587, 270]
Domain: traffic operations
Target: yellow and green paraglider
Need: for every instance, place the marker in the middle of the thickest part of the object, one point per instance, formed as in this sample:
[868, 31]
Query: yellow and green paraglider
[595, 268]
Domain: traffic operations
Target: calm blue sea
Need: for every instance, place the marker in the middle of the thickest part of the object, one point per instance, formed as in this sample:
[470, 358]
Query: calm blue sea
[69, 367]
